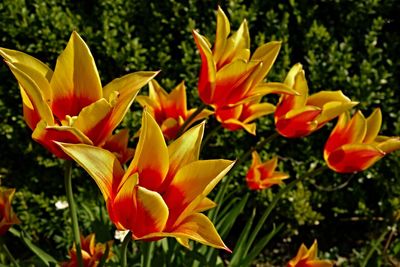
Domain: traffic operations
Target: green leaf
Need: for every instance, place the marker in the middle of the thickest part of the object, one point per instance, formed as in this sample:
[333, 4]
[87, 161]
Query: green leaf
[46, 258]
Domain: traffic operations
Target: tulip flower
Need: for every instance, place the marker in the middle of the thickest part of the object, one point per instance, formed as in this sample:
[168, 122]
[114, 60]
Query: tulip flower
[229, 76]
[300, 115]
[242, 116]
[69, 104]
[262, 175]
[169, 110]
[118, 144]
[308, 258]
[7, 216]
[164, 189]
[92, 252]
[354, 144]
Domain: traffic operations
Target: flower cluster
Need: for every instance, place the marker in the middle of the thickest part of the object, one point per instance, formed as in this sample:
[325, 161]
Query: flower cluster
[164, 189]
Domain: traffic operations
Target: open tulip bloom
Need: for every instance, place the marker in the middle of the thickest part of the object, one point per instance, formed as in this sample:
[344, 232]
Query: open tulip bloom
[230, 77]
[308, 258]
[69, 104]
[262, 175]
[7, 216]
[169, 110]
[354, 144]
[92, 252]
[164, 189]
[301, 115]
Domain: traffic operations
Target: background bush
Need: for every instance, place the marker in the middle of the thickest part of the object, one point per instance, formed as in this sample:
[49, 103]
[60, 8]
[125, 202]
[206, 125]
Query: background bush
[347, 45]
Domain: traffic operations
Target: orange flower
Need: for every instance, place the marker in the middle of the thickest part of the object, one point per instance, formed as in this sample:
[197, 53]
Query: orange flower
[262, 175]
[308, 258]
[169, 110]
[354, 144]
[156, 197]
[242, 116]
[118, 144]
[300, 115]
[92, 252]
[69, 104]
[7, 216]
[229, 76]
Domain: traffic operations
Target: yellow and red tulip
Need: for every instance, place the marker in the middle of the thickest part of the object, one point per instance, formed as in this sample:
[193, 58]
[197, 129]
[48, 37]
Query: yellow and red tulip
[169, 110]
[354, 144]
[7, 216]
[262, 175]
[242, 116]
[69, 104]
[92, 252]
[301, 115]
[156, 197]
[118, 144]
[308, 258]
[228, 75]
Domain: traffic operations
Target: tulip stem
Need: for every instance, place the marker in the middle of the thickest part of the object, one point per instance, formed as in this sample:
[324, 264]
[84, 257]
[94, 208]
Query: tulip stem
[189, 120]
[209, 135]
[12, 259]
[147, 251]
[72, 208]
[276, 199]
[124, 248]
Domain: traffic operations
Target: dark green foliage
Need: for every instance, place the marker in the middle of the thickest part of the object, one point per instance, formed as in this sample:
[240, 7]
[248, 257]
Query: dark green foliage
[347, 45]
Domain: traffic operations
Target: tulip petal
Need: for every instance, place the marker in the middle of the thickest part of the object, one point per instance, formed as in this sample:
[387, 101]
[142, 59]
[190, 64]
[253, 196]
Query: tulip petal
[298, 122]
[353, 158]
[267, 54]
[126, 89]
[92, 121]
[223, 30]
[46, 135]
[118, 144]
[256, 111]
[349, 132]
[184, 150]
[208, 69]
[151, 155]
[174, 104]
[15, 56]
[204, 205]
[181, 194]
[274, 88]
[237, 46]
[332, 109]
[76, 82]
[374, 122]
[152, 213]
[389, 144]
[321, 98]
[34, 94]
[199, 228]
[101, 164]
[202, 172]
[230, 81]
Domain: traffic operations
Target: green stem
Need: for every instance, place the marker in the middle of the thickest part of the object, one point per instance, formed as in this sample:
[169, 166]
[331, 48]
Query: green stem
[72, 208]
[124, 248]
[209, 135]
[374, 247]
[10, 256]
[147, 251]
[276, 199]
[190, 119]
